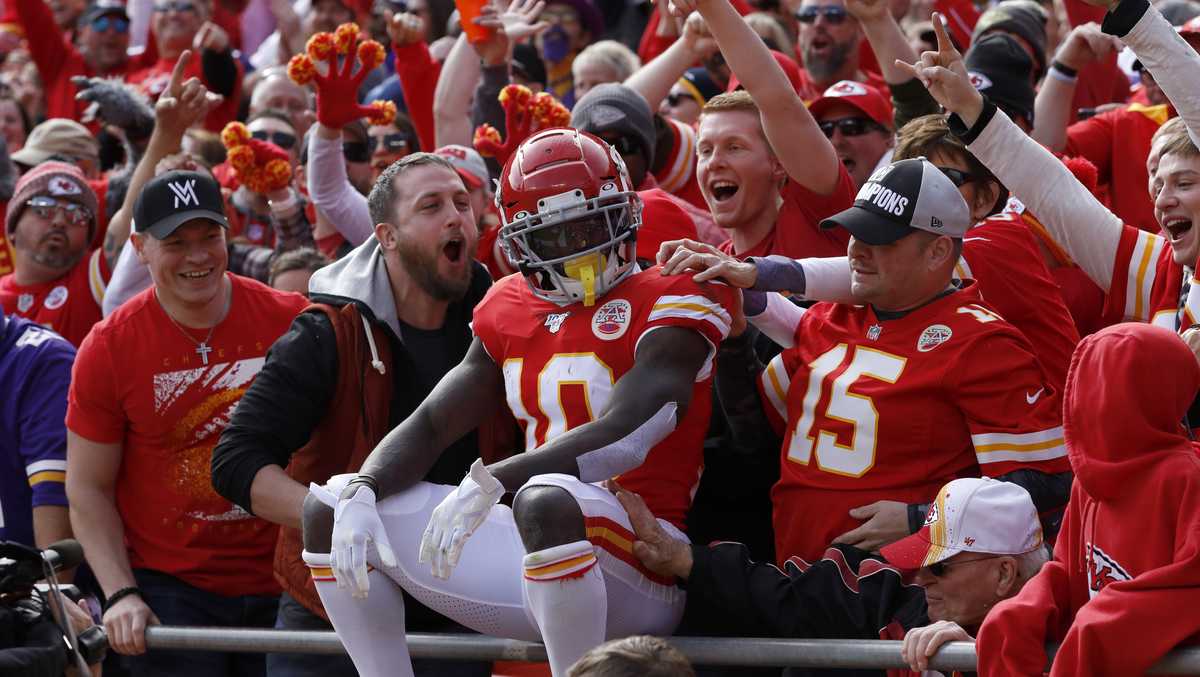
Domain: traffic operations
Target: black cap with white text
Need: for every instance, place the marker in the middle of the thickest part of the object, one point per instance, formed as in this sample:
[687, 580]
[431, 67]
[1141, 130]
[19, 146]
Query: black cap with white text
[902, 197]
[172, 199]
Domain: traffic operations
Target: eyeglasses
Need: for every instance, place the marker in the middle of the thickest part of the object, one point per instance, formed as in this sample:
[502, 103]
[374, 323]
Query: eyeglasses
[675, 98]
[282, 139]
[938, 569]
[957, 176]
[391, 142]
[46, 207]
[848, 126]
[102, 24]
[356, 151]
[832, 13]
[175, 7]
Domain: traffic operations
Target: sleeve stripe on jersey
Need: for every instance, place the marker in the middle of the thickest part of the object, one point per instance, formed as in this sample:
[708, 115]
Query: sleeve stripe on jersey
[1037, 446]
[775, 384]
[47, 476]
[680, 172]
[1141, 275]
[50, 464]
[693, 308]
[962, 269]
[95, 278]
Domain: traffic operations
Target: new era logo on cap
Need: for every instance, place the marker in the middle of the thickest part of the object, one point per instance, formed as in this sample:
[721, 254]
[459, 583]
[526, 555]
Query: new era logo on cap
[173, 199]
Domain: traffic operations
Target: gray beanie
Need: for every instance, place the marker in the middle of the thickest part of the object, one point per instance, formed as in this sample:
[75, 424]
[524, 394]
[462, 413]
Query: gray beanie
[616, 108]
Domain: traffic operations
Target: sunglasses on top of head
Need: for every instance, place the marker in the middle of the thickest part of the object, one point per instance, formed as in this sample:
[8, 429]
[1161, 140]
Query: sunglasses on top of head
[282, 139]
[848, 126]
[831, 13]
[116, 23]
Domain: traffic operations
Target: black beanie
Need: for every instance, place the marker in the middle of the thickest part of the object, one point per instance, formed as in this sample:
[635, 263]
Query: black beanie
[1000, 69]
[1023, 18]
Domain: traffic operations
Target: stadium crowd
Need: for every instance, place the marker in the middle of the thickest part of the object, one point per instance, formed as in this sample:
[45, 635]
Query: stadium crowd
[491, 316]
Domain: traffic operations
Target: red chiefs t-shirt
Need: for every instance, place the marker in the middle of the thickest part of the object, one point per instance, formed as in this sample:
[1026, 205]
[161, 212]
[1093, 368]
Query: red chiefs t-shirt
[140, 382]
[797, 233]
[893, 409]
[560, 364]
[1002, 255]
[69, 305]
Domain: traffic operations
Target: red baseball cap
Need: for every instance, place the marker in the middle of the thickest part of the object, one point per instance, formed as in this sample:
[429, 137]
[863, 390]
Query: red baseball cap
[865, 98]
[790, 68]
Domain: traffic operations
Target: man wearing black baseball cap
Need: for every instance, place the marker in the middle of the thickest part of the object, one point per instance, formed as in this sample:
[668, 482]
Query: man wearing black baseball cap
[909, 382]
[156, 382]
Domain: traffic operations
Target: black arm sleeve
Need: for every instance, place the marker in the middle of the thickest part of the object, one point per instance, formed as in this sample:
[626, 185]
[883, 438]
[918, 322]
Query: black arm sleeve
[277, 415]
[219, 70]
[847, 595]
[736, 383]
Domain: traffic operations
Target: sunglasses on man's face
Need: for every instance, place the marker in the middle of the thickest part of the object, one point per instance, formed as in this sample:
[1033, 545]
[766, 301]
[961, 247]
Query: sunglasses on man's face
[957, 176]
[282, 139]
[848, 126]
[46, 207]
[831, 13]
[104, 23]
[392, 143]
[356, 151]
[166, 7]
[675, 98]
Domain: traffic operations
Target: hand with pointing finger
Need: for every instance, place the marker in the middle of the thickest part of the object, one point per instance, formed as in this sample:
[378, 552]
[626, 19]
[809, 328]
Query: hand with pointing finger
[945, 76]
[183, 103]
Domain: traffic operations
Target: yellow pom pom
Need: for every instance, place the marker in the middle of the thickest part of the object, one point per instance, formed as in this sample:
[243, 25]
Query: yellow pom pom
[277, 173]
[345, 37]
[371, 54]
[518, 94]
[485, 137]
[301, 69]
[241, 158]
[320, 46]
[382, 113]
[234, 134]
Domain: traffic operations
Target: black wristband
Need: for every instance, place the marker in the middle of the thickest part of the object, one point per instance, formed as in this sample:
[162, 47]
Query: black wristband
[1064, 69]
[360, 480]
[120, 595]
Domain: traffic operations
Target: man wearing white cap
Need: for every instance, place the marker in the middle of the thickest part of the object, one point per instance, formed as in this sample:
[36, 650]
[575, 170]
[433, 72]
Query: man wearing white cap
[979, 546]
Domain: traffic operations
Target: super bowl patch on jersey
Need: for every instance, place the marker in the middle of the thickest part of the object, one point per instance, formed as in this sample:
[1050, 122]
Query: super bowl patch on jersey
[611, 320]
[933, 336]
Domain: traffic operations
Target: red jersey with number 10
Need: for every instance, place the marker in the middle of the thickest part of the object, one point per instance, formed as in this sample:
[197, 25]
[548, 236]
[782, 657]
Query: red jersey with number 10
[893, 409]
[560, 364]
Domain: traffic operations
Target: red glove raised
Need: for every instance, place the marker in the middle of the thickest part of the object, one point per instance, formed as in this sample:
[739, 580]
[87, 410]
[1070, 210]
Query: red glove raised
[524, 114]
[259, 165]
[337, 90]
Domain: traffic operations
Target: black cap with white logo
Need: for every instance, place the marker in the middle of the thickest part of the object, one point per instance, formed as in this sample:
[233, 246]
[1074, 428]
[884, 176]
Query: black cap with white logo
[904, 196]
[172, 199]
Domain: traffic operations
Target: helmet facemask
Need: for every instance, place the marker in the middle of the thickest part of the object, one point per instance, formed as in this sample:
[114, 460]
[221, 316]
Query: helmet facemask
[574, 248]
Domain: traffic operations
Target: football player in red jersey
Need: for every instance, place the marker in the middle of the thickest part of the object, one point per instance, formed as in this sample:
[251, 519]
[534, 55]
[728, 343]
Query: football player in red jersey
[607, 369]
[917, 383]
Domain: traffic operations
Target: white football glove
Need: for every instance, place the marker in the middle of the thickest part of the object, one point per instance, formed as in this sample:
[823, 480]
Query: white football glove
[355, 523]
[457, 517]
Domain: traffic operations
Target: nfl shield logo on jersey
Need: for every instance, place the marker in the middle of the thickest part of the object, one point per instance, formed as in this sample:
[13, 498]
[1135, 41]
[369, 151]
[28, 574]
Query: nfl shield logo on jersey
[933, 336]
[612, 319]
[554, 321]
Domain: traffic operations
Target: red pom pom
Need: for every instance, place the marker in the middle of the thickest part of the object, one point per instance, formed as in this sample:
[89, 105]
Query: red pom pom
[382, 113]
[320, 46]
[235, 134]
[301, 69]
[241, 158]
[371, 54]
[1084, 171]
[345, 37]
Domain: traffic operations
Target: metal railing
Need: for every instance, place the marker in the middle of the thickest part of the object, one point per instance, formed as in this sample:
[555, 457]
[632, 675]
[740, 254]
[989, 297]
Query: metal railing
[804, 653]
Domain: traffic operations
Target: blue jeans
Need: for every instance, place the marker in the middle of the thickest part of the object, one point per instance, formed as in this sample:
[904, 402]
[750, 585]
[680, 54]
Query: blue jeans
[178, 603]
[294, 616]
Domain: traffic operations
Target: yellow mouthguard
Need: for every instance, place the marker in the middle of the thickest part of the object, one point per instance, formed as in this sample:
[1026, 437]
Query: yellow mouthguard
[585, 269]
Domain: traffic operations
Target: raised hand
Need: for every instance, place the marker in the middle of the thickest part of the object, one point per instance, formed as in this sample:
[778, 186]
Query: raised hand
[519, 19]
[945, 76]
[1086, 44]
[115, 103]
[211, 37]
[867, 11]
[260, 166]
[698, 38]
[403, 28]
[183, 103]
[524, 114]
[337, 88]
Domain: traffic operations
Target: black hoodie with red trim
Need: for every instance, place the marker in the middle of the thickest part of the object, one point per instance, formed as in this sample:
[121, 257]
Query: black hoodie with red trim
[1124, 586]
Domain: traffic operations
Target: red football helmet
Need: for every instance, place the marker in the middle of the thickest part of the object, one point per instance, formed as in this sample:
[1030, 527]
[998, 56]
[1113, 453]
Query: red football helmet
[569, 215]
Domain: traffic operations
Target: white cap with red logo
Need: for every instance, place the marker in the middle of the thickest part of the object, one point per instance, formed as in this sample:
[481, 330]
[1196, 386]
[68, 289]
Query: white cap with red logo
[971, 515]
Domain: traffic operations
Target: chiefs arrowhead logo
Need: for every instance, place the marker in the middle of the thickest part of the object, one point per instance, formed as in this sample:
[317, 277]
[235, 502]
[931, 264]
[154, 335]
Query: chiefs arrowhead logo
[979, 80]
[1102, 569]
[846, 88]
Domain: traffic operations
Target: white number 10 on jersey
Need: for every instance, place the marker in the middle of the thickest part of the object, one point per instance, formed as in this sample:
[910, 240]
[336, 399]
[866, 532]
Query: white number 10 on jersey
[858, 457]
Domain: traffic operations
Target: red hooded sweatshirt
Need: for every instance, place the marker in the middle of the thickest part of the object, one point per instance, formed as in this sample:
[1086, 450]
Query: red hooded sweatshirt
[1124, 586]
